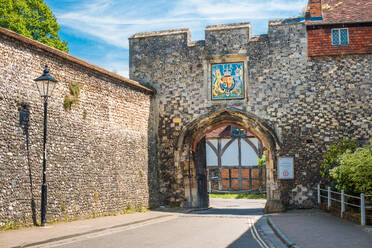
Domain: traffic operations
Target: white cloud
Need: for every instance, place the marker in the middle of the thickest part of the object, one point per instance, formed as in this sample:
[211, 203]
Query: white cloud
[233, 9]
[113, 21]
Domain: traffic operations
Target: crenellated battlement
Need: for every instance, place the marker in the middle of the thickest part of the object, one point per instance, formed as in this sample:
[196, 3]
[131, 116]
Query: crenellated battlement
[221, 41]
[222, 33]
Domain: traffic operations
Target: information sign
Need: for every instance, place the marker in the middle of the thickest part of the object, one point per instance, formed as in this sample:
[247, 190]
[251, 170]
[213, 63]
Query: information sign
[285, 168]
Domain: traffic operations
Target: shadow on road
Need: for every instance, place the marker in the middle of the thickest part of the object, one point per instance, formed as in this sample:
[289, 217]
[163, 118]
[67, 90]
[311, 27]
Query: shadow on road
[230, 211]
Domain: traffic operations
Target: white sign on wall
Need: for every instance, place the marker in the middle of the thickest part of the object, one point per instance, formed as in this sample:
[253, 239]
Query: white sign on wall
[285, 168]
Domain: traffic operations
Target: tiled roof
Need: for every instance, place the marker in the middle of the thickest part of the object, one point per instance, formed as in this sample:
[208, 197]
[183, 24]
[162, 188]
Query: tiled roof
[346, 11]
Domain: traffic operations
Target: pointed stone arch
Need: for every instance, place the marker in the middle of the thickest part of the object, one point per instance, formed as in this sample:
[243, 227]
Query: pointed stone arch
[194, 131]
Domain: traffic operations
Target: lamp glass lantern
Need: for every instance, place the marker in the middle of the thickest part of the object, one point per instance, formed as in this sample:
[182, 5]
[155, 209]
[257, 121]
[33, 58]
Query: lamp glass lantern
[46, 83]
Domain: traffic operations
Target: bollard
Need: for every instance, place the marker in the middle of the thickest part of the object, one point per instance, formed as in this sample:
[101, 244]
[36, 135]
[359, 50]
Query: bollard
[342, 203]
[329, 197]
[362, 210]
[319, 200]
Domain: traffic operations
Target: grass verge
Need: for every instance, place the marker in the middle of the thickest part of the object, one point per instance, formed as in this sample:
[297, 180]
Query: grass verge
[237, 196]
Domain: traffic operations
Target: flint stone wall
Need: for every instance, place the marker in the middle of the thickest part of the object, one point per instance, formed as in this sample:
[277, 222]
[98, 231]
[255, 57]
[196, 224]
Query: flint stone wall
[309, 102]
[98, 152]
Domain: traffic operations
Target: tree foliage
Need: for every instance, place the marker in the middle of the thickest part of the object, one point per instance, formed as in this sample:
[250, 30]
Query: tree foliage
[262, 160]
[354, 174]
[33, 19]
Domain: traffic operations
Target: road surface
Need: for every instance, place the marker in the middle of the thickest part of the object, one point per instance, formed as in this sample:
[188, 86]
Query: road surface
[228, 223]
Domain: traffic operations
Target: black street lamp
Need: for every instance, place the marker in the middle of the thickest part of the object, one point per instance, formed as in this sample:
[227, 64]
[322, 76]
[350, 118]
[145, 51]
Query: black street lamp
[45, 85]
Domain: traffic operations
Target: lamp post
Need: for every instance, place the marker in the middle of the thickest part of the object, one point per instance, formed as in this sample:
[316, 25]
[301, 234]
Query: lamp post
[45, 85]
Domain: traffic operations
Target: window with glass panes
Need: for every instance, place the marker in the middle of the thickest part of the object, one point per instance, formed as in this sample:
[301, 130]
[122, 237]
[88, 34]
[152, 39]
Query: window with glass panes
[340, 37]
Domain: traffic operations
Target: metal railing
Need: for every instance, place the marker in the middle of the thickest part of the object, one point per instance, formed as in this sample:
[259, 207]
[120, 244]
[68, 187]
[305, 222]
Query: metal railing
[343, 202]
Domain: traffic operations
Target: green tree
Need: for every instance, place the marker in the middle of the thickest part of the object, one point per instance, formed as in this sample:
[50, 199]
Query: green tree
[33, 19]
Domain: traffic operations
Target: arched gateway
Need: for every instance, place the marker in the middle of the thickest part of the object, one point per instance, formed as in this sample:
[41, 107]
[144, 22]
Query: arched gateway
[190, 155]
[266, 84]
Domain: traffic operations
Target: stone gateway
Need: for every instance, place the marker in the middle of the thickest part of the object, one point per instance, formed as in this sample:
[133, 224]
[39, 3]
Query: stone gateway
[295, 104]
[121, 144]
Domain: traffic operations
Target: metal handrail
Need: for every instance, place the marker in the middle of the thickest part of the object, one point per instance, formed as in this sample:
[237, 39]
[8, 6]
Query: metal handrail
[362, 205]
[355, 197]
[347, 203]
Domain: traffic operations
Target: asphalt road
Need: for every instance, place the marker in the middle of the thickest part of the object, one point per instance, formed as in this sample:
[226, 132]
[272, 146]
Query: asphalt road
[227, 224]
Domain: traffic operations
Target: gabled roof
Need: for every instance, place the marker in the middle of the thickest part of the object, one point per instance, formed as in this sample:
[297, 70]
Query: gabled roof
[343, 11]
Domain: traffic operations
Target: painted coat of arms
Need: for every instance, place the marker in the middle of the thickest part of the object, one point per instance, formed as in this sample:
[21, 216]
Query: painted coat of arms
[227, 81]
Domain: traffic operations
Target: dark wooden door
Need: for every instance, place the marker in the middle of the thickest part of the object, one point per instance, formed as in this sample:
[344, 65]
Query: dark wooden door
[200, 159]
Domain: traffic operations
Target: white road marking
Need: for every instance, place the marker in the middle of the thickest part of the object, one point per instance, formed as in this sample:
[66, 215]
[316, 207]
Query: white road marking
[256, 236]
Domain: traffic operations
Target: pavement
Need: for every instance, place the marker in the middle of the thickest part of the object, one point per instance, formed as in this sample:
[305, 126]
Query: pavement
[27, 237]
[316, 228]
[296, 228]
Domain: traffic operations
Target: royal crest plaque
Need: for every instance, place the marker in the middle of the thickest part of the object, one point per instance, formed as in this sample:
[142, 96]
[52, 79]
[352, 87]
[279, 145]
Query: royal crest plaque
[227, 81]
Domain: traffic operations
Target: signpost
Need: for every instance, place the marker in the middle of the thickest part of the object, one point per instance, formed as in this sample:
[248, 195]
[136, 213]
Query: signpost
[285, 168]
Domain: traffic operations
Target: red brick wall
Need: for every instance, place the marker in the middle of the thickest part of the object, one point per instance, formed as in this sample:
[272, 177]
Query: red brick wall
[315, 8]
[319, 42]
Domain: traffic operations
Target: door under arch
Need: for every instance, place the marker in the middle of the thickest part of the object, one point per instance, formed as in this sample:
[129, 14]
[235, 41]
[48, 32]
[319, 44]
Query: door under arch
[191, 156]
[235, 161]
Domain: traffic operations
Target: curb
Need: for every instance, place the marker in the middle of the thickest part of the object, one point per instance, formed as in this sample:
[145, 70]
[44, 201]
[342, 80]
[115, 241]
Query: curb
[88, 232]
[281, 235]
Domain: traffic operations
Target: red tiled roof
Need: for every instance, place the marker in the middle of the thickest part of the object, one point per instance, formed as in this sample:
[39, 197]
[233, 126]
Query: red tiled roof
[346, 11]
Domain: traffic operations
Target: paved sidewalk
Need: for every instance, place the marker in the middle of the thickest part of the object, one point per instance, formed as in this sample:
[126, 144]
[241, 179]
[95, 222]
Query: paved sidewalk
[36, 235]
[316, 228]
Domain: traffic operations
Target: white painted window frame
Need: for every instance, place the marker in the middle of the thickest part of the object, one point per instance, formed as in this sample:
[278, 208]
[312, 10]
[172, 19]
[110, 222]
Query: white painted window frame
[339, 36]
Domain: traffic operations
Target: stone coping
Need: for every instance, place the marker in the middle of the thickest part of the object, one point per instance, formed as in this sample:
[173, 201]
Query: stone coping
[228, 26]
[65, 56]
[287, 21]
[187, 30]
[161, 33]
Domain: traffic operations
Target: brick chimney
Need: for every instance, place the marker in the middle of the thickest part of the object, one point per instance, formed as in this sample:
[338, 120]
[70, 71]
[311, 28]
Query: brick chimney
[314, 10]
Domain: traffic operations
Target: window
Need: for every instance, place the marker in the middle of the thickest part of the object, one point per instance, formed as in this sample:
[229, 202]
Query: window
[340, 37]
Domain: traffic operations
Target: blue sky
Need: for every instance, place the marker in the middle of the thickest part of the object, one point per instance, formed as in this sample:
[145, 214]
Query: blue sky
[98, 30]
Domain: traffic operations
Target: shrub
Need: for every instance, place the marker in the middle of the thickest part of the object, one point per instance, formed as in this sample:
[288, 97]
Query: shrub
[354, 174]
[331, 158]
